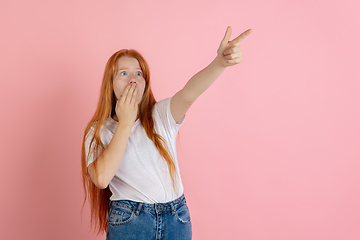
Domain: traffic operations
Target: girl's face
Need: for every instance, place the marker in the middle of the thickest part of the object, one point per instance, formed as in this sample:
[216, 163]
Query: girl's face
[128, 71]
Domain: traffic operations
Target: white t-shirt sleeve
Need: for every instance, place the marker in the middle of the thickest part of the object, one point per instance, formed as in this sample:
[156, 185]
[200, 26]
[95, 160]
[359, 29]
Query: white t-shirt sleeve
[88, 138]
[164, 112]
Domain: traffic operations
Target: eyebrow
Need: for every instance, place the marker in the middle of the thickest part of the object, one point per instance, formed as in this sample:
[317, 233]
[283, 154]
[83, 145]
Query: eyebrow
[126, 68]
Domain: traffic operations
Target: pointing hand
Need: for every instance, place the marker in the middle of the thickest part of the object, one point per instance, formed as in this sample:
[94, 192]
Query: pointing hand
[229, 52]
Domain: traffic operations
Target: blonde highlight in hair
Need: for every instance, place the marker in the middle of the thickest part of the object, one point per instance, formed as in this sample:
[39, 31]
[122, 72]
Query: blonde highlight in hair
[99, 198]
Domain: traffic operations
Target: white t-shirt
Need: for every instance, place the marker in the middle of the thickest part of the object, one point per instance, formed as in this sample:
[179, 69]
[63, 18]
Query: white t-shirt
[143, 175]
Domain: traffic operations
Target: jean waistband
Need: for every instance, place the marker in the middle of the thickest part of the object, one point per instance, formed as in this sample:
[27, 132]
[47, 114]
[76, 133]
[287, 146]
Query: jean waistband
[139, 206]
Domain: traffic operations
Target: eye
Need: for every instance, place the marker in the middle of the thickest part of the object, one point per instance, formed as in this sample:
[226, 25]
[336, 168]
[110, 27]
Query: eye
[123, 73]
[138, 73]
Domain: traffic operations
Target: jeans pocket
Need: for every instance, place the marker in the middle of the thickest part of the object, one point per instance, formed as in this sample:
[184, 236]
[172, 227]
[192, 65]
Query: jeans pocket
[119, 216]
[183, 214]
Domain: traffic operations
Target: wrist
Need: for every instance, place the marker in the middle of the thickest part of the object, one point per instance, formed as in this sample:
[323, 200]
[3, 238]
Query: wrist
[218, 62]
[124, 126]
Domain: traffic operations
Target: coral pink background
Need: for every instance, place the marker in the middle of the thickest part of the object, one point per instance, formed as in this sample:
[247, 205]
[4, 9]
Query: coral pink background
[270, 151]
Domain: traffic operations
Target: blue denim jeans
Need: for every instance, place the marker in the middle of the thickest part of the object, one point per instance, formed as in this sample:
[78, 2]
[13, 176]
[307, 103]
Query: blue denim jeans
[141, 221]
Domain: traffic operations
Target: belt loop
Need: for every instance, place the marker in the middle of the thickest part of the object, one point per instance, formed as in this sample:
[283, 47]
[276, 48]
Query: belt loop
[173, 210]
[156, 210]
[138, 208]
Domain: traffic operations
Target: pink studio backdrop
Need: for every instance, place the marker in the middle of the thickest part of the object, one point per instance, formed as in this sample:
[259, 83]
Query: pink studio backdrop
[270, 151]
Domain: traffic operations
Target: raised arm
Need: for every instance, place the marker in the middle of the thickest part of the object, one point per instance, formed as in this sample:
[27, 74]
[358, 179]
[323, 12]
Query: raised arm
[228, 54]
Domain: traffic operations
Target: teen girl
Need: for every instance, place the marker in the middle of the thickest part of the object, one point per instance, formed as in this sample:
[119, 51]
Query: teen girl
[129, 163]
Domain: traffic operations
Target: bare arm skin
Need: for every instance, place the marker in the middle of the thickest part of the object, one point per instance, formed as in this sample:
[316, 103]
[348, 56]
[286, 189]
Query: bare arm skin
[109, 160]
[228, 54]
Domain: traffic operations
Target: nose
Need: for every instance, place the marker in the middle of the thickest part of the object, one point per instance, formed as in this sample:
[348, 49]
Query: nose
[132, 79]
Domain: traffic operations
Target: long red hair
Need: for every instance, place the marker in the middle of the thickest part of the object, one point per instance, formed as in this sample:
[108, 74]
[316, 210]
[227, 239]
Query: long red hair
[100, 198]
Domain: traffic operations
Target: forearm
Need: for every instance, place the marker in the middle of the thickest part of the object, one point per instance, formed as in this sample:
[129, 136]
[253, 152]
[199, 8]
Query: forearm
[109, 160]
[202, 80]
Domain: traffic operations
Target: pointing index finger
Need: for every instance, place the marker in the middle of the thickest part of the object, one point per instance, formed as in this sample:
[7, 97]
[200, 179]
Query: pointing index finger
[241, 36]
